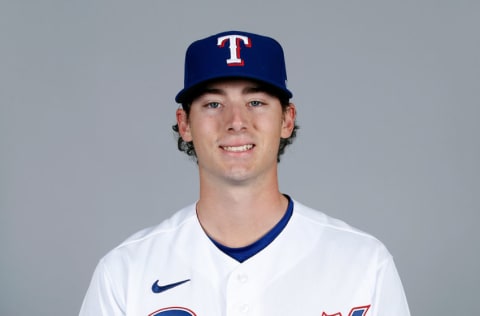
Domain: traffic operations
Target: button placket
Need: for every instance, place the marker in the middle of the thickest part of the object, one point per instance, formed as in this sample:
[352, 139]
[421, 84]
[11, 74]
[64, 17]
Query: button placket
[239, 293]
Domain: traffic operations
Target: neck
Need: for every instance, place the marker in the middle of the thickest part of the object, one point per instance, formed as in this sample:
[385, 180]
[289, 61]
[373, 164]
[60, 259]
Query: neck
[237, 216]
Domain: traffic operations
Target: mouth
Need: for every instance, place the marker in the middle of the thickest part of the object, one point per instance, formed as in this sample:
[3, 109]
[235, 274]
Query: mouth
[237, 149]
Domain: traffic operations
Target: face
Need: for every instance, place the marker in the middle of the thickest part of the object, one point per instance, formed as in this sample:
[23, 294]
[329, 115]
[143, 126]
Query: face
[236, 128]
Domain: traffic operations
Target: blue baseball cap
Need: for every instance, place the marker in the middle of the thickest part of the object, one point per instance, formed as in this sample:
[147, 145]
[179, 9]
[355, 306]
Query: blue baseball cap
[234, 54]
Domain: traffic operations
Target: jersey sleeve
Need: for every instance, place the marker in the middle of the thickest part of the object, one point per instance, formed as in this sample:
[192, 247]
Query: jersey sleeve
[102, 297]
[390, 299]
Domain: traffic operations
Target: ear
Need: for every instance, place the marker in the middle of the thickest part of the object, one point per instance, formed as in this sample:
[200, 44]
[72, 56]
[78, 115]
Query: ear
[289, 116]
[183, 125]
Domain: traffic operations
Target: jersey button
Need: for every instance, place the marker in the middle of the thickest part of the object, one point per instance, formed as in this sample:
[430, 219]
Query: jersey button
[244, 308]
[242, 278]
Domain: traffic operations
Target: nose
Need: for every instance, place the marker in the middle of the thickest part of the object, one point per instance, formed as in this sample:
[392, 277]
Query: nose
[237, 119]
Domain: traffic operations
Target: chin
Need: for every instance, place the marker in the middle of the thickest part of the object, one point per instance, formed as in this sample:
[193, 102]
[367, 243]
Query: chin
[238, 176]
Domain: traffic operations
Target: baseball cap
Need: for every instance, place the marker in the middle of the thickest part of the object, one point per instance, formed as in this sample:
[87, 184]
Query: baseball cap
[234, 54]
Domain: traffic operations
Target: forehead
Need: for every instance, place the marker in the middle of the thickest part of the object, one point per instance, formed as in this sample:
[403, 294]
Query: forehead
[234, 85]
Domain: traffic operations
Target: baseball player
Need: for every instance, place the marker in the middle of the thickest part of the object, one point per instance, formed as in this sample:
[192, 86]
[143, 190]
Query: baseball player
[244, 247]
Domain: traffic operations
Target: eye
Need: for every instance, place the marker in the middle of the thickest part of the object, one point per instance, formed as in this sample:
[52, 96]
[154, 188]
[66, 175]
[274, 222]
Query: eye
[213, 105]
[255, 103]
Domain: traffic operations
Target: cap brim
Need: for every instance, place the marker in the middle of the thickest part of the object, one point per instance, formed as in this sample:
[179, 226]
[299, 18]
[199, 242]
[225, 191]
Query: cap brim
[186, 94]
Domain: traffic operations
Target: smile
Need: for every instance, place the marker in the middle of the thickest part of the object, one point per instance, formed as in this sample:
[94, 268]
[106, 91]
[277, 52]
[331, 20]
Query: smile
[237, 149]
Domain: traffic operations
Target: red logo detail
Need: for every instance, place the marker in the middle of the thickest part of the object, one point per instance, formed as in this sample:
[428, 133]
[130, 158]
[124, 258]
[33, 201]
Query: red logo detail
[356, 311]
[180, 311]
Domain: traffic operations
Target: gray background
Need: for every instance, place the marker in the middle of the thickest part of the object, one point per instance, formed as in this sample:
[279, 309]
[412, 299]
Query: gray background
[388, 100]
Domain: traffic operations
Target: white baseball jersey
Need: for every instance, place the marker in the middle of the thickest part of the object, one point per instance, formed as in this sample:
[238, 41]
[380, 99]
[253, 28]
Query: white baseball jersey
[317, 266]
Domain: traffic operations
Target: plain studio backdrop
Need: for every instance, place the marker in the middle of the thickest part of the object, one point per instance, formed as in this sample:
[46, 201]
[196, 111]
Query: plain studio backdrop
[388, 103]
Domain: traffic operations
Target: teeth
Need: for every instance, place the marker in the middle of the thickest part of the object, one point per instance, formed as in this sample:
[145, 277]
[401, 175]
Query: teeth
[238, 148]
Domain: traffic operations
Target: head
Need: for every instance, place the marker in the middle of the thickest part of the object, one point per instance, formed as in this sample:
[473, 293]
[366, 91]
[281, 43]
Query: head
[231, 55]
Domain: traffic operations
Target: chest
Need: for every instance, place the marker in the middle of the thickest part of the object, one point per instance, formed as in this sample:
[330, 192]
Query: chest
[311, 286]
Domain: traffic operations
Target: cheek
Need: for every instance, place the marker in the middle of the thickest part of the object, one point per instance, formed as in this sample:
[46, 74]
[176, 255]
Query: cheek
[272, 126]
[201, 131]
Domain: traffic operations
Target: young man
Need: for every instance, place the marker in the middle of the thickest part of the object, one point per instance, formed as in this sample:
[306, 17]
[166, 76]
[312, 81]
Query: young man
[243, 248]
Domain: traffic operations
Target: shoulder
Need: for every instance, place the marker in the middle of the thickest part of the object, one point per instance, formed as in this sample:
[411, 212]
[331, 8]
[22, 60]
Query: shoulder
[170, 225]
[160, 236]
[337, 235]
[318, 218]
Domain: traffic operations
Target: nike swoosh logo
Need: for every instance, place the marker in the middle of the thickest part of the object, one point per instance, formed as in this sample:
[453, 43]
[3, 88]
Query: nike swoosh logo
[162, 288]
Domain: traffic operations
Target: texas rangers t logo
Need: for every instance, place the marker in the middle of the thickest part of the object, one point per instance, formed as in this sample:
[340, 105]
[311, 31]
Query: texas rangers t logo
[234, 46]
